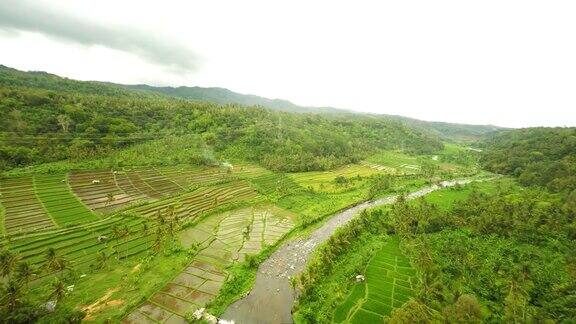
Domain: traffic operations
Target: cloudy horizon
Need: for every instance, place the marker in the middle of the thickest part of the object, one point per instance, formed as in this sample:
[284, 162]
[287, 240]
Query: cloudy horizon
[502, 63]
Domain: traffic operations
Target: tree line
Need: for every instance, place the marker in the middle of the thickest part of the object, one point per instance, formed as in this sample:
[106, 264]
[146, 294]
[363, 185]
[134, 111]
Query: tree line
[43, 126]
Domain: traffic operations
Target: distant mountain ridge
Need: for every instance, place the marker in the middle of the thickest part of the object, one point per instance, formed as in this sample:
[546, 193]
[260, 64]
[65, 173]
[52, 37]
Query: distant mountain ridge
[225, 96]
[462, 132]
[37, 79]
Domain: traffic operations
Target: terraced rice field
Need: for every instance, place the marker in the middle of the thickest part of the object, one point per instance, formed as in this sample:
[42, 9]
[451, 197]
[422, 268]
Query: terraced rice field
[80, 244]
[187, 176]
[190, 205]
[106, 191]
[46, 202]
[404, 163]
[389, 284]
[223, 239]
[325, 181]
[273, 183]
[59, 201]
[380, 167]
[23, 210]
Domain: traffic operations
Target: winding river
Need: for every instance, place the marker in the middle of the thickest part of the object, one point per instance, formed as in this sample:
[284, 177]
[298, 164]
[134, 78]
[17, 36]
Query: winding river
[272, 297]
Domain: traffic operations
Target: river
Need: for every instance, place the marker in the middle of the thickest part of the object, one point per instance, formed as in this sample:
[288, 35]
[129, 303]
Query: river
[272, 297]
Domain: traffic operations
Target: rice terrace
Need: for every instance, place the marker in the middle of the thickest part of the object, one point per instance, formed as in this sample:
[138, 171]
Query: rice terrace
[425, 172]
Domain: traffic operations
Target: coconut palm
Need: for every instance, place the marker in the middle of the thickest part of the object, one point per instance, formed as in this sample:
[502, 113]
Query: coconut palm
[116, 234]
[25, 272]
[49, 258]
[58, 290]
[144, 229]
[8, 262]
[158, 240]
[101, 260]
[126, 233]
[11, 295]
[53, 261]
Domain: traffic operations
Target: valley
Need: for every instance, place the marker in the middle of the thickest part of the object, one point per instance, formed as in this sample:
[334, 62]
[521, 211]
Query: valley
[131, 205]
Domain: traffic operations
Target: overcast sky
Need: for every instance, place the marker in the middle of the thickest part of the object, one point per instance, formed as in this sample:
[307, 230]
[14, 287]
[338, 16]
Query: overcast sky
[507, 63]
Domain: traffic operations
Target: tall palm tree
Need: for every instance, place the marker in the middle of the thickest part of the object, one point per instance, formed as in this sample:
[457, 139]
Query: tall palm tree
[101, 260]
[116, 234]
[53, 261]
[145, 229]
[8, 262]
[25, 272]
[58, 290]
[158, 240]
[11, 295]
[49, 258]
[126, 233]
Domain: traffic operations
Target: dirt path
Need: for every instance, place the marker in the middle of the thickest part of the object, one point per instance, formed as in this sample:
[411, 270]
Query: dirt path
[272, 297]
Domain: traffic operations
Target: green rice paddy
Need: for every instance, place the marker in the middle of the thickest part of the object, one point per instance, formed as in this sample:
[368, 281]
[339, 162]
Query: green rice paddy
[389, 283]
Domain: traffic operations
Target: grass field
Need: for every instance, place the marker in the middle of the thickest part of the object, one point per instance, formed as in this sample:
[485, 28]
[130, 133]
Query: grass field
[389, 284]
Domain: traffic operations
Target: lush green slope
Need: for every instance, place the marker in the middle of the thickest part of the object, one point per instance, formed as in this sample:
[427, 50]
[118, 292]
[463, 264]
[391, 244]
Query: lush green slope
[11, 77]
[537, 156]
[493, 252]
[44, 126]
[452, 131]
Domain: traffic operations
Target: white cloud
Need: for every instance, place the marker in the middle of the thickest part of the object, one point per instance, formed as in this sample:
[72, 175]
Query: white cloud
[508, 63]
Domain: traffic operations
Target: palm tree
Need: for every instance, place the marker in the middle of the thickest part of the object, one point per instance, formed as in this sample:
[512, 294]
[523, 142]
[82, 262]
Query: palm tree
[159, 240]
[58, 290]
[64, 122]
[11, 295]
[8, 262]
[49, 258]
[144, 229]
[126, 234]
[24, 272]
[53, 261]
[116, 234]
[515, 303]
[101, 260]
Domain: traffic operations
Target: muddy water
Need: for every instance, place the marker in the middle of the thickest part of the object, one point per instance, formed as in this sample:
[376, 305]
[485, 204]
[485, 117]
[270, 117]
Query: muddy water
[272, 297]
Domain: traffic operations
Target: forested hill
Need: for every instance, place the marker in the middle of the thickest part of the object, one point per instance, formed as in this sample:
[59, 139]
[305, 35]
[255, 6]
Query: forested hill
[40, 125]
[10, 77]
[13, 77]
[452, 131]
[537, 156]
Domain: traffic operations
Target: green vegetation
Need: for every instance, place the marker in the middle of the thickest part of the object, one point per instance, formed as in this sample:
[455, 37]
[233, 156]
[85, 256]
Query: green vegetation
[85, 122]
[139, 204]
[118, 220]
[59, 201]
[388, 284]
[504, 251]
[544, 157]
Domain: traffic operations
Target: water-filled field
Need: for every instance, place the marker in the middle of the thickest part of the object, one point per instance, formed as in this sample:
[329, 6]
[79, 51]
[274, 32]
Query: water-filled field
[222, 239]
